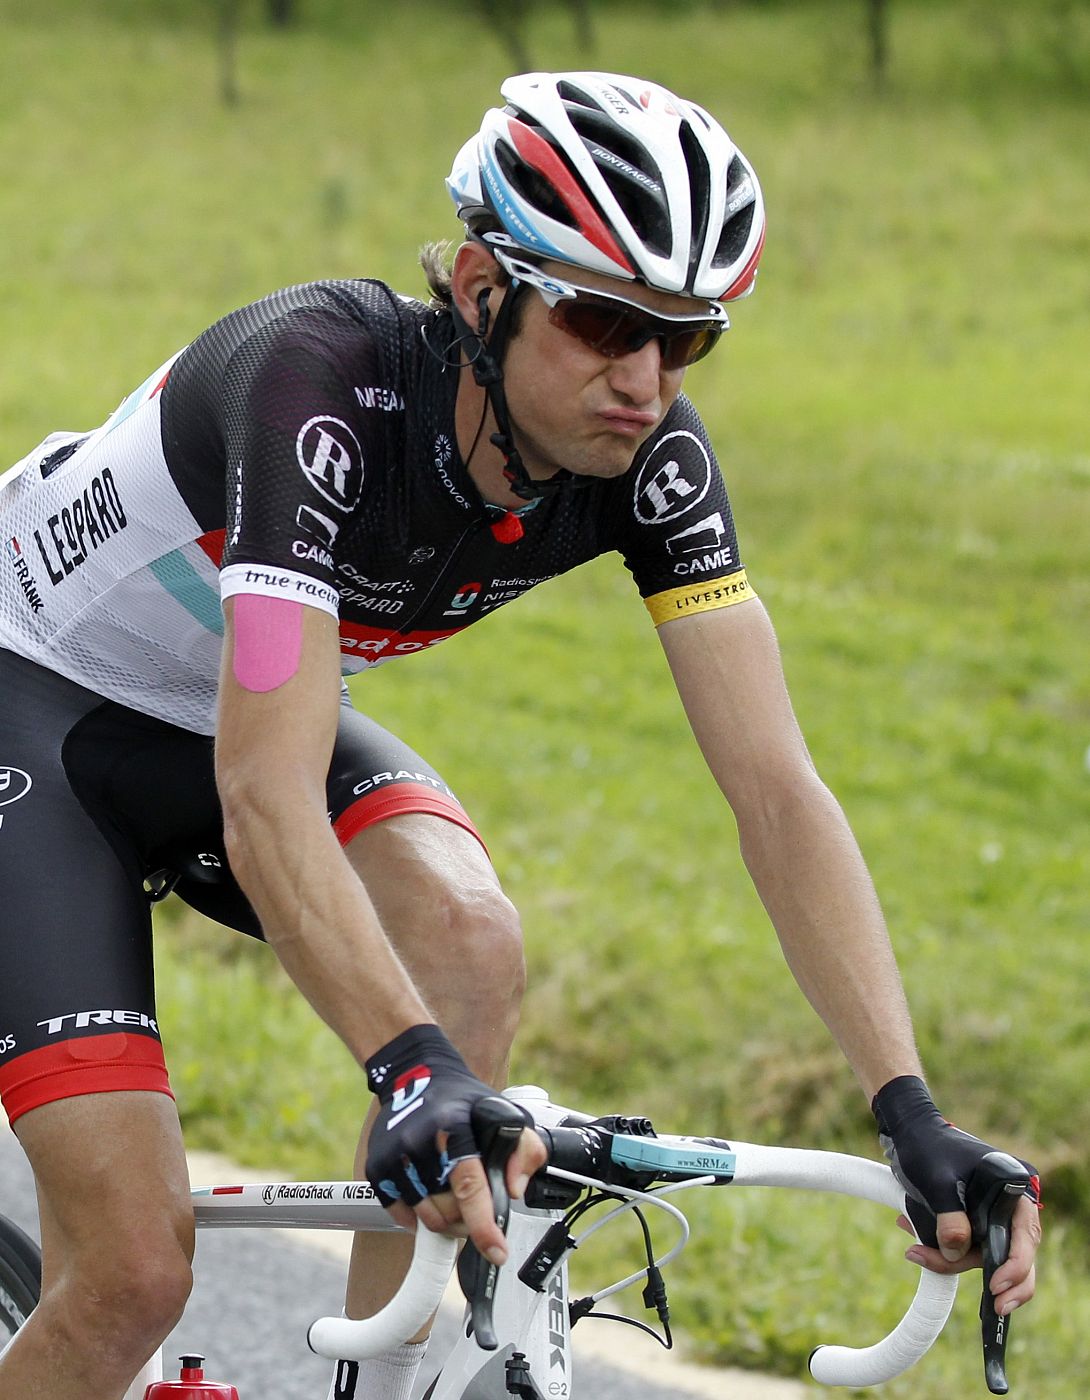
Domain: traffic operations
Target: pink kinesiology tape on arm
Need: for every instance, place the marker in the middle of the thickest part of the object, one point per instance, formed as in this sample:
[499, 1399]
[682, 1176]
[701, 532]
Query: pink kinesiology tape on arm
[268, 640]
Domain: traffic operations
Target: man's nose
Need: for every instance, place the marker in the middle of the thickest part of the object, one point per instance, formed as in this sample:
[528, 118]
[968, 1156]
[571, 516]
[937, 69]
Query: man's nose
[636, 375]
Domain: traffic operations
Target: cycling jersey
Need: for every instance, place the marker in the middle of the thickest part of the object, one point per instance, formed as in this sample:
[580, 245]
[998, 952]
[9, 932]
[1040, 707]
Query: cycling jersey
[304, 447]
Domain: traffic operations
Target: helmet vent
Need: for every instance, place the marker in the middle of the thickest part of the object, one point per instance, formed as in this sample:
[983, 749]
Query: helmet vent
[574, 96]
[699, 189]
[532, 187]
[738, 220]
[634, 180]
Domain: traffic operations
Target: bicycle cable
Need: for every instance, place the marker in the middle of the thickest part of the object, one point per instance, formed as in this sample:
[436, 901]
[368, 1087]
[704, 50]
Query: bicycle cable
[654, 1293]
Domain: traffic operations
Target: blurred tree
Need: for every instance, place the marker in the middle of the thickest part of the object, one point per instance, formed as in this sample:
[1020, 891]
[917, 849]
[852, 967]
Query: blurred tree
[507, 20]
[1067, 40]
[878, 34]
[584, 25]
[282, 13]
[228, 51]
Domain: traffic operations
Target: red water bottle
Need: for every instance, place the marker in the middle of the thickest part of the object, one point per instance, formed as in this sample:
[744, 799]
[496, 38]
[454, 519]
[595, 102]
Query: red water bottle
[191, 1385]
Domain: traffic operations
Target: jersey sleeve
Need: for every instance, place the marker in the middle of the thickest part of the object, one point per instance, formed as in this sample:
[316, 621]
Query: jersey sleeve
[296, 455]
[679, 539]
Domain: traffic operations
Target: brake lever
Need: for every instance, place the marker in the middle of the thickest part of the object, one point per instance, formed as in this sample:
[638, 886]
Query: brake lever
[497, 1126]
[991, 1197]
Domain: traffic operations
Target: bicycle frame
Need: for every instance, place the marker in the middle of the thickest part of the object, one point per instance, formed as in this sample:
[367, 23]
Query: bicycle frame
[534, 1324]
[322, 1205]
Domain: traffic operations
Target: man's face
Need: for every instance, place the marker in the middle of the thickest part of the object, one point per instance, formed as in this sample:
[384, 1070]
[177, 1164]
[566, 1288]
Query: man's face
[572, 406]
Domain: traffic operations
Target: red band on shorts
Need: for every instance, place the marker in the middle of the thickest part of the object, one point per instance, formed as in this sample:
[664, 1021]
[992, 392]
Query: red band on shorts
[394, 801]
[93, 1064]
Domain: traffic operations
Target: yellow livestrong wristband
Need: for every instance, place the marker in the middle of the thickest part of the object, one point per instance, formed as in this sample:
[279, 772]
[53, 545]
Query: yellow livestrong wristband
[683, 602]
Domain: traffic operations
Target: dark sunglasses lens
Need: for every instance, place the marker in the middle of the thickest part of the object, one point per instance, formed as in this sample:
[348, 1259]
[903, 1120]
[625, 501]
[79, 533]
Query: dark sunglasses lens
[614, 330]
[684, 348]
[603, 326]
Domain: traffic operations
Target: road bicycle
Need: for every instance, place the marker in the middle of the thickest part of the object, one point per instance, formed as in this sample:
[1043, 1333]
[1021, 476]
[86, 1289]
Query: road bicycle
[516, 1340]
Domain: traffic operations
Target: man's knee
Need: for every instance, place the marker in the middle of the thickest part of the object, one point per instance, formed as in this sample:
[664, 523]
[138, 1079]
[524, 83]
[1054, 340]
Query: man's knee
[133, 1292]
[474, 972]
[458, 934]
[481, 928]
[441, 904]
[117, 1223]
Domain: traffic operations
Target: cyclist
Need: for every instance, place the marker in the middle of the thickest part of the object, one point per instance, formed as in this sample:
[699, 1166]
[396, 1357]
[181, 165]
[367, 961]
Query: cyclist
[324, 480]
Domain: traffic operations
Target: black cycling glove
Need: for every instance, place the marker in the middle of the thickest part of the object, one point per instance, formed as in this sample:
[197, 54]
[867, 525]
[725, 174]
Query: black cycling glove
[931, 1158]
[424, 1088]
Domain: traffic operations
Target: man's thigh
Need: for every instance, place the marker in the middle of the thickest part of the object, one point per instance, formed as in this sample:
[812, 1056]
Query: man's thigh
[375, 776]
[424, 874]
[123, 1194]
[442, 908]
[375, 782]
[412, 843]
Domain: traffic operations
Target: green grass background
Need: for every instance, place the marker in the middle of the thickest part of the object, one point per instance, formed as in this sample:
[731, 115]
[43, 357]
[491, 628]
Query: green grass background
[901, 415]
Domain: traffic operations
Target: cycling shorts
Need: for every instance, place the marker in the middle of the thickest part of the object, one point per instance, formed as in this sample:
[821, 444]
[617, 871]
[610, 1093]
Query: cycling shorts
[97, 802]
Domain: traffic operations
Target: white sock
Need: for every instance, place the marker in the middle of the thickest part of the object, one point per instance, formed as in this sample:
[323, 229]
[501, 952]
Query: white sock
[387, 1377]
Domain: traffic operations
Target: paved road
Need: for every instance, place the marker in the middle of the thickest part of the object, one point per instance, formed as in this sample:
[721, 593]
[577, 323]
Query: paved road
[257, 1291]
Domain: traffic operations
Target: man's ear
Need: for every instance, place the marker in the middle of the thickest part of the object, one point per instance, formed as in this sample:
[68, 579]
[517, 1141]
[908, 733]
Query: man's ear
[476, 278]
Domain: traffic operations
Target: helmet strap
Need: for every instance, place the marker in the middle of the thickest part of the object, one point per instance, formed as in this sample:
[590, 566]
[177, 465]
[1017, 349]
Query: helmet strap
[486, 363]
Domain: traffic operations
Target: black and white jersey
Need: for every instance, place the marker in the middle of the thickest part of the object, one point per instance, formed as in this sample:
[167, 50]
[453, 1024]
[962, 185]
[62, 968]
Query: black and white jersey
[304, 447]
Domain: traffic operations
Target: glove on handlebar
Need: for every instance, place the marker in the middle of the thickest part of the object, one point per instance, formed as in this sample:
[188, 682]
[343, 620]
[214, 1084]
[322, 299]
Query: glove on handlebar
[933, 1160]
[424, 1088]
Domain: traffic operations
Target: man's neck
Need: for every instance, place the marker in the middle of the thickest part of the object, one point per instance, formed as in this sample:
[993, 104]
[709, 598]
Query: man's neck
[474, 424]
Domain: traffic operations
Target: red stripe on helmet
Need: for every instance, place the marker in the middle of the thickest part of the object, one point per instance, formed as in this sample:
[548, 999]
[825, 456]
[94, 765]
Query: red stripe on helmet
[540, 156]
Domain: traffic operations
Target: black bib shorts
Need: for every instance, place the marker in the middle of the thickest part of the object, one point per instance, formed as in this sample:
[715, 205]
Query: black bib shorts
[99, 804]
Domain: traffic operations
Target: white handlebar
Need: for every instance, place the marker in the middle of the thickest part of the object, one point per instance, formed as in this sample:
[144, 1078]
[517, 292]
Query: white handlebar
[433, 1260]
[909, 1340]
[853, 1176]
[349, 1339]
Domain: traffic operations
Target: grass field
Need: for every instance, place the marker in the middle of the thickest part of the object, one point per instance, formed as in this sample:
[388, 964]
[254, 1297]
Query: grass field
[901, 415]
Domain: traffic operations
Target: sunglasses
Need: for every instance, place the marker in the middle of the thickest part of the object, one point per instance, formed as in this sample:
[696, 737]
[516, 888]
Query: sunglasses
[615, 326]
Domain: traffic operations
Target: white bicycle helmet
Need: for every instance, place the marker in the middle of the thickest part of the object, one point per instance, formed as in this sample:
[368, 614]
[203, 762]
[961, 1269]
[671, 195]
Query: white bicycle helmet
[616, 175]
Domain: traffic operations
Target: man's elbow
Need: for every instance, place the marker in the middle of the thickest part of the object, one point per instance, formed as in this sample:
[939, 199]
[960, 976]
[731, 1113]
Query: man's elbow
[264, 812]
[777, 800]
[255, 803]
[245, 829]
